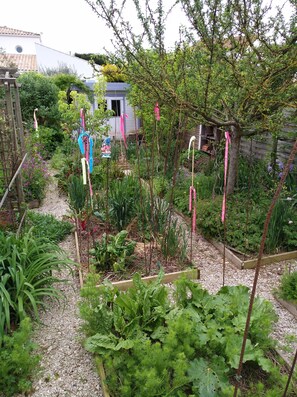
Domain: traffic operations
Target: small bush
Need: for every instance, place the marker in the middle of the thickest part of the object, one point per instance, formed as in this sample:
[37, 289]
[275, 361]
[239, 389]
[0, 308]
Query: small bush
[18, 363]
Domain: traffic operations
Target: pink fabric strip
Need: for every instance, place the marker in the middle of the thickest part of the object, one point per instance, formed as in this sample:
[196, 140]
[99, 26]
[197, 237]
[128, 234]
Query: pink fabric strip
[122, 127]
[82, 119]
[228, 141]
[157, 111]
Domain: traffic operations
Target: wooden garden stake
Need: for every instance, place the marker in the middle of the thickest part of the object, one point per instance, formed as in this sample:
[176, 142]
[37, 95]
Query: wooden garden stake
[224, 205]
[290, 374]
[192, 195]
[258, 266]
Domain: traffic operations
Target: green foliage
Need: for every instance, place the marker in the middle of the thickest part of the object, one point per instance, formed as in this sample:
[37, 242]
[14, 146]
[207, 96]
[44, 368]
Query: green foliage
[77, 194]
[34, 173]
[49, 139]
[245, 221]
[288, 287]
[188, 343]
[18, 362]
[112, 73]
[27, 265]
[113, 252]
[173, 240]
[39, 92]
[47, 226]
[122, 198]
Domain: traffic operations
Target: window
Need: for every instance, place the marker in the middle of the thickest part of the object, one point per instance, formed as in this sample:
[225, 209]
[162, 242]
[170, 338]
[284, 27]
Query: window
[116, 107]
[19, 49]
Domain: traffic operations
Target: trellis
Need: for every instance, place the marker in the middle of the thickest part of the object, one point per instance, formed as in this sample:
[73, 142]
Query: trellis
[12, 150]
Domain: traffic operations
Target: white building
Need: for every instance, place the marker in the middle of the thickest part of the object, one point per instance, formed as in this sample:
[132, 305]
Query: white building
[116, 100]
[26, 51]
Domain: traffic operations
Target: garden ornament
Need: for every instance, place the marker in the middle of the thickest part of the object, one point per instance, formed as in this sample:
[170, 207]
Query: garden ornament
[106, 148]
[228, 142]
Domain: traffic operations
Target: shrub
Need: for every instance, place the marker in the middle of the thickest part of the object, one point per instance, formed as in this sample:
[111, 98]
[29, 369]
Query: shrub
[49, 138]
[18, 362]
[35, 175]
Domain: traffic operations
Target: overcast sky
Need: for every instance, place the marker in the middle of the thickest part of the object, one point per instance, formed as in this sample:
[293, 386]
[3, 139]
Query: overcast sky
[67, 25]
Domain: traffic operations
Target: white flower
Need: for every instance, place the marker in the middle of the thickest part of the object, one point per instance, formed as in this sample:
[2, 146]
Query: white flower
[290, 222]
[289, 199]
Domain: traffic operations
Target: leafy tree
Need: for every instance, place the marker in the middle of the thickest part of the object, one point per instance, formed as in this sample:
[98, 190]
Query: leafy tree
[38, 91]
[112, 73]
[70, 82]
[70, 110]
[234, 67]
[97, 59]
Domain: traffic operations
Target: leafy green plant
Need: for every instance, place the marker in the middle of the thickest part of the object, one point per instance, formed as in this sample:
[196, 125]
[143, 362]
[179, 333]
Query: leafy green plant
[122, 198]
[49, 138]
[288, 287]
[279, 218]
[173, 241]
[77, 194]
[113, 252]
[27, 266]
[179, 344]
[18, 361]
[47, 226]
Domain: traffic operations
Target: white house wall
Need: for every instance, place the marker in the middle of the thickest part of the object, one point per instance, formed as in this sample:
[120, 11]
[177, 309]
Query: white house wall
[10, 43]
[47, 58]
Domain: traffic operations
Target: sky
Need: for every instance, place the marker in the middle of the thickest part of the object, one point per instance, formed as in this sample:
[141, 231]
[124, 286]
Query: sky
[65, 25]
[68, 25]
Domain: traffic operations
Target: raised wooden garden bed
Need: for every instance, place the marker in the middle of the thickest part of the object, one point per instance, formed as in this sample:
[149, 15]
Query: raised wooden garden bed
[251, 263]
[290, 306]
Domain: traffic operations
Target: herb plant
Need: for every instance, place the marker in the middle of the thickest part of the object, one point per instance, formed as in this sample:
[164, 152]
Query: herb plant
[288, 287]
[18, 361]
[186, 343]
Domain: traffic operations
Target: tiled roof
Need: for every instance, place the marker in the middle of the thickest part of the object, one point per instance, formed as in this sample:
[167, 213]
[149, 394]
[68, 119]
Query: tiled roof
[23, 62]
[5, 31]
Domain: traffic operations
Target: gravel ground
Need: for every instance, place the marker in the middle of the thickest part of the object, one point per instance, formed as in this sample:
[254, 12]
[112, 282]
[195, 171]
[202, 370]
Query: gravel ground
[68, 370]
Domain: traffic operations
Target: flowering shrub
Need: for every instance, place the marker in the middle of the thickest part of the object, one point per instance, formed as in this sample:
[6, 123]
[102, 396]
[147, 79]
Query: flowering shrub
[35, 175]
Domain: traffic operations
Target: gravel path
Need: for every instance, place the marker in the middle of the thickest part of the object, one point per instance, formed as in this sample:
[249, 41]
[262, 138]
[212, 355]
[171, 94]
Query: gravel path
[67, 369]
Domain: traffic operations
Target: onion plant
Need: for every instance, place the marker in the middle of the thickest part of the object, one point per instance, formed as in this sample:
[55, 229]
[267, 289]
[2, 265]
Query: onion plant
[28, 266]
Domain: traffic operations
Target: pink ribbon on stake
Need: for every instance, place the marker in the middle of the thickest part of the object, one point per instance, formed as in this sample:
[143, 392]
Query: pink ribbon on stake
[82, 119]
[228, 142]
[192, 196]
[122, 127]
[157, 111]
[35, 119]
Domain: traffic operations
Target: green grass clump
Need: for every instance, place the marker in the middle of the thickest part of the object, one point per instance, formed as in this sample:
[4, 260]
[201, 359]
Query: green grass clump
[47, 226]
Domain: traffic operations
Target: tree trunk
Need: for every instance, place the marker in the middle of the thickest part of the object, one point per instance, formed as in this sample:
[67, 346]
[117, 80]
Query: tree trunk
[233, 161]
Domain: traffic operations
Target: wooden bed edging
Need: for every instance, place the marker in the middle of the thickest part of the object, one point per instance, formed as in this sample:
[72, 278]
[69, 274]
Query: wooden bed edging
[288, 305]
[192, 274]
[251, 263]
